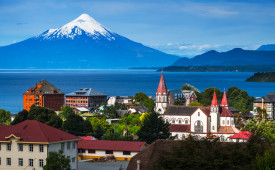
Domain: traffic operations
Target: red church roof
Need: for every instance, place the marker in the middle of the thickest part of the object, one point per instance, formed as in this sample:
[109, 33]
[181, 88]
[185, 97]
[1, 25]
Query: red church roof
[224, 100]
[111, 145]
[179, 128]
[34, 131]
[242, 135]
[214, 100]
[226, 113]
[162, 86]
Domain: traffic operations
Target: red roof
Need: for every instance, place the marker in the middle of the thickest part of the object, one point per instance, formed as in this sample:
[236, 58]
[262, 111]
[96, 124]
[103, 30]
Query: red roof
[110, 145]
[162, 86]
[226, 113]
[35, 131]
[226, 130]
[242, 135]
[224, 100]
[205, 110]
[179, 128]
[214, 100]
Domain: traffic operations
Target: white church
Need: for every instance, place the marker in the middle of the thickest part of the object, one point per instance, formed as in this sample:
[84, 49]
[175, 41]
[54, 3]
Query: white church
[214, 121]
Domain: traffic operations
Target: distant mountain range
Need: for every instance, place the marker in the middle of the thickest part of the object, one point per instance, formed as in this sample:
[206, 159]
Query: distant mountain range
[81, 44]
[268, 47]
[234, 57]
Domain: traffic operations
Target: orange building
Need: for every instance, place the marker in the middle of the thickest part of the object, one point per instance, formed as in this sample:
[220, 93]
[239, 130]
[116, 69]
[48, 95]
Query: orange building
[43, 94]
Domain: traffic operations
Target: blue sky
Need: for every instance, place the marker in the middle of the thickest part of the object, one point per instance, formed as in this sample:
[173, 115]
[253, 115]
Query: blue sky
[179, 27]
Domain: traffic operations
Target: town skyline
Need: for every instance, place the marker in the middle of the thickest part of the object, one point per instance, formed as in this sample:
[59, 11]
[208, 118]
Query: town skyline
[182, 28]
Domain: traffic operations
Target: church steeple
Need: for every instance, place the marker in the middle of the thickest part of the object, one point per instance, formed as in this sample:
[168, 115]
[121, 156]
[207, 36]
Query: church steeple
[224, 100]
[214, 100]
[162, 89]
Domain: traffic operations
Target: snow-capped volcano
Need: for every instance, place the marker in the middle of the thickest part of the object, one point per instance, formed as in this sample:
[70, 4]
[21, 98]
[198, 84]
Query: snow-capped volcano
[81, 44]
[83, 25]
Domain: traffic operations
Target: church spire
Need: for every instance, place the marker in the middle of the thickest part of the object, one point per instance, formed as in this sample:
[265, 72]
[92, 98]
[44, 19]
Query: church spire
[224, 100]
[214, 100]
[162, 89]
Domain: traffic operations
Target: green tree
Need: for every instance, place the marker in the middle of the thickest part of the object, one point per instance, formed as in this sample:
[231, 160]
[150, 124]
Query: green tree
[267, 161]
[20, 117]
[260, 114]
[5, 117]
[74, 125]
[149, 103]
[100, 126]
[207, 96]
[153, 128]
[57, 161]
[140, 98]
[195, 104]
[66, 111]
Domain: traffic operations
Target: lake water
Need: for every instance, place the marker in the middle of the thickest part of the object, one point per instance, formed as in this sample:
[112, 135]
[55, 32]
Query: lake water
[13, 83]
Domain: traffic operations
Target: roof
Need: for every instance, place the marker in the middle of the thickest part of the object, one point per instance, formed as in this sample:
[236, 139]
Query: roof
[205, 110]
[162, 86]
[111, 145]
[224, 100]
[82, 109]
[179, 128]
[150, 154]
[180, 110]
[141, 109]
[226, 113]
[86, 92]
[242, 135]
[270, 98]
[35, 131]
[214, 100]
[46, 88]
[124, 97]
[88, 138]
[227, 130]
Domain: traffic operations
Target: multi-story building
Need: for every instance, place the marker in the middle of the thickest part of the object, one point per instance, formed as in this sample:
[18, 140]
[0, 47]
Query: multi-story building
[127, 100]
[189, 96]
[43, 94]
[85, 97]
[267, 103]
[26, 145]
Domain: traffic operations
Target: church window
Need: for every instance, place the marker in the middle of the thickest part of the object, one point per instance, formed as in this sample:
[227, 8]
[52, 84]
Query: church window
[223, 122]
[167, 121]
[227, 122]
[222, 138]
[183, 137]
[186, 121]
[179, 121]
[198, 126]
[173, 121]
[213, 127]
[198, 113]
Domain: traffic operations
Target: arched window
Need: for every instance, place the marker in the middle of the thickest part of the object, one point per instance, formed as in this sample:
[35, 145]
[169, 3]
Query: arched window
[186, 121]
[223, 122]
[179, 121]
[222, 138]
[213, 127]
[198, 126]
[173, 121]
[198, 113]
[167, 120]
[227, 122]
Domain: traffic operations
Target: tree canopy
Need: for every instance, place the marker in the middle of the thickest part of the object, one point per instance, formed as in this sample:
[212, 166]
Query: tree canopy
[153, 128]
[58, 161]
[5, 117]
[20, 117]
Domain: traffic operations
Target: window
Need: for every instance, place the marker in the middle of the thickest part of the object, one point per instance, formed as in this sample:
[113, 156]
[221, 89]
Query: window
[8, 161]
[31, 147]
[68, 145]
[173, 121]
[73, 159]
[41, 162]
[167, 121]
[20, 162]
[73, 143]
[199, 114]
[126, 153]
[62, 146]
[109, 152]
[8, 146]
[180, 121]
[91, 151]
[198, 126]
[213, 127]
[20, 147]
[41, 148]
[186, 121]
[222, 138]
[223, 122]
[227, 122]
[183, 136]
[30, 162]
[68, 157]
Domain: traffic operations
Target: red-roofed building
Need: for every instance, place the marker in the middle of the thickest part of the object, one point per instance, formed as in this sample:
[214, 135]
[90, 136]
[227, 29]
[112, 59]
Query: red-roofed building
[27, 145]
[161, 96]
[241, 136]
[121, 150]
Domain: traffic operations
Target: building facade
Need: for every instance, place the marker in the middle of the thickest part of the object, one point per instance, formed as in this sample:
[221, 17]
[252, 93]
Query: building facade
[189, 96]
[27, 145]
[85, 97]
[43, 94]
[127, 100]
[121, 150]
[267, 103]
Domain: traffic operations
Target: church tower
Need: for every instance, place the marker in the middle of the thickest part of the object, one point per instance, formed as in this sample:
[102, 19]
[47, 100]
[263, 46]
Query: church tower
[224, 100]
[215, 115]
[161, 96]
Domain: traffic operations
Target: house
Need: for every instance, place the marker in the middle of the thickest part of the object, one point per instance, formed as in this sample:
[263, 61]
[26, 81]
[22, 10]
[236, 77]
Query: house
[138, 109]
[214, 121]
[43, 94]
[127, 100]
[189, 96]
[26, 145]
[241, 136]
[85, 97]
[267, 103]
[121, 150]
